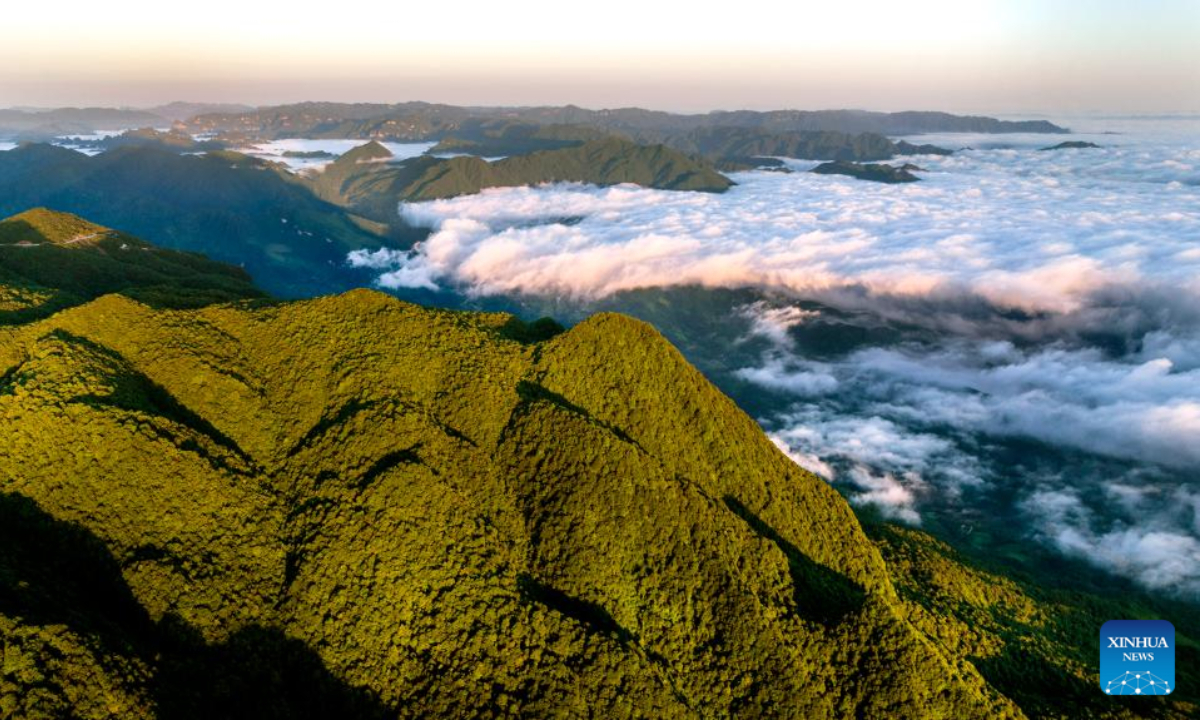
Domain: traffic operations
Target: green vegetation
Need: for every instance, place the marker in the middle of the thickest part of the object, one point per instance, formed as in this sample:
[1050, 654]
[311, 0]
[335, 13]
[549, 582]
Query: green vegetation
[51, 260]
[875, 172]
[1036, 644]
[357, 507]
[427, 516]
[600, 162]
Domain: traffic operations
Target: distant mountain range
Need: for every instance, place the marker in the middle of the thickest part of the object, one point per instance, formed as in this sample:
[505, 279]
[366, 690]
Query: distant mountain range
[47, 124]
[418, 121]
[731, 148]
[425, 121]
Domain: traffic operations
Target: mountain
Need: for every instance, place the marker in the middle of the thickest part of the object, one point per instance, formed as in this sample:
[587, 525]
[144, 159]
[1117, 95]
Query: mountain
[733, 148]
[895, 123]
[51, 260]
[1072, 145]
[179, 111]
[424, 121]
[501, 528]
[404, 122]
[609, 161]
[229, 206]
[875, 172]
[731, 145]
[363, 180]
[174, 140]
[44, 124]
[356, 507]
[501, 137]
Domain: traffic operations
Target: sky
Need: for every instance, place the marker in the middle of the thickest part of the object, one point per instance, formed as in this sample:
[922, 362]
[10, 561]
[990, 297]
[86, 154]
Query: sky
[1021, 56]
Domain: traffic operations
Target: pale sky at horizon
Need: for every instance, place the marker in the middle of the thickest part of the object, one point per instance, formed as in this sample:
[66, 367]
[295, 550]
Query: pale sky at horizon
[1022, 56]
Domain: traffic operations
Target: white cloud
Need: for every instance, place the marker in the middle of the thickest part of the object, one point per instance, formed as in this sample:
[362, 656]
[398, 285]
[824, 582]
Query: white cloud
[773, 322]
[981, 222]
[1143, 411]
[804, 379]
[1156, 555]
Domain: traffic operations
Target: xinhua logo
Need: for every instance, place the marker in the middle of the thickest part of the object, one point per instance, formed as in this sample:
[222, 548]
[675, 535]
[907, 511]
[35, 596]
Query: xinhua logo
[1137, 657]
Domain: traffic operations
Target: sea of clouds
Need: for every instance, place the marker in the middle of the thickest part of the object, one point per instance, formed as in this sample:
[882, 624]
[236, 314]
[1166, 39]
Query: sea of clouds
[1054, 296]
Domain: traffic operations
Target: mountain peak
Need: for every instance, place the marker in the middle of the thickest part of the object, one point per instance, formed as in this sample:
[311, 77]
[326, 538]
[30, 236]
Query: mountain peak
[41, 226]
[371, 152]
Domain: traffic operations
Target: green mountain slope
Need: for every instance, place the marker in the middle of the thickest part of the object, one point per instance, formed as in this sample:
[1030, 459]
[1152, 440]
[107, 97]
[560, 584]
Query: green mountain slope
[419, 514]
[51, 260]
[600, 162]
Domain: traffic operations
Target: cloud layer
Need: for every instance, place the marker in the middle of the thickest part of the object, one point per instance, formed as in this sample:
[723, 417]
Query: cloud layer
[1021, 228]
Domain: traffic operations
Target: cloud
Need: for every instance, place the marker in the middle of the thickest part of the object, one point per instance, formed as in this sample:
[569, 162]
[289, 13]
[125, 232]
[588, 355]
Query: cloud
[880, 462]
[914, 426]
[804, 379]
[983, 223]
[1139, 410]
[773, 322]
[1151, 551]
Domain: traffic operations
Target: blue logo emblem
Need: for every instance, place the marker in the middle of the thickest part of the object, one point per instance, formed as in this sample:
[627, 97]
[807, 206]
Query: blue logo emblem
[1137, 657]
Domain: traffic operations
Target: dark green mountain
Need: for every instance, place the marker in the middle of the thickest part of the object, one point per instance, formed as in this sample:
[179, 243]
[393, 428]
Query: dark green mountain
[364, 180]
[231, 207]
[600, 162]
[1072, 145]
[875, 172]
